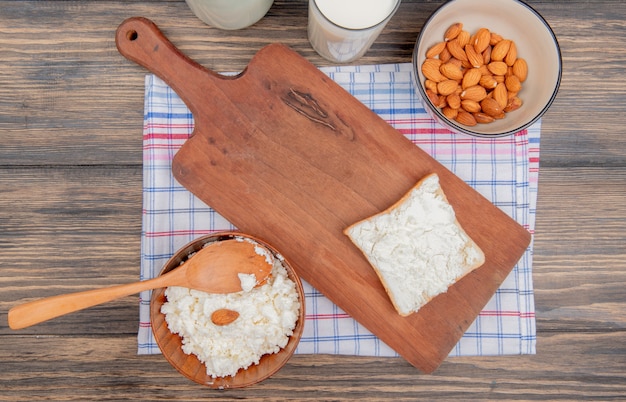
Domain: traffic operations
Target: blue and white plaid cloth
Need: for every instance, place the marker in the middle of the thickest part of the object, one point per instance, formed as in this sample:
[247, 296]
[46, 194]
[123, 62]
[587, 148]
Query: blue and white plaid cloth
[505, 170]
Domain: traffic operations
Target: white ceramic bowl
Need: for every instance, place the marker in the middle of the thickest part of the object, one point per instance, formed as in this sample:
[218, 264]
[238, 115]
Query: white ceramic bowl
[535, 42]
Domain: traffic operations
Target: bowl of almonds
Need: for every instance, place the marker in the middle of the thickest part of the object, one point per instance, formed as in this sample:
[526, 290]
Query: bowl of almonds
[486, 68]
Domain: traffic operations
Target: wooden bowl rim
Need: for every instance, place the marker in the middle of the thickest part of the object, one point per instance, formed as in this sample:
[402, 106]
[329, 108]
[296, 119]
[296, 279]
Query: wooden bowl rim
[189, 365]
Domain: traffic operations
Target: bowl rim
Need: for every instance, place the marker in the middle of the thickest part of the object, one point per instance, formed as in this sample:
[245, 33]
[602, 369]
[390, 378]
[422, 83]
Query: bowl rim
[157, 319]
[463, 129]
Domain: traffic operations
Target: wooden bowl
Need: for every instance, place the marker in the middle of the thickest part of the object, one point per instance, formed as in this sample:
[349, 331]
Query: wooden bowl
[189, 365]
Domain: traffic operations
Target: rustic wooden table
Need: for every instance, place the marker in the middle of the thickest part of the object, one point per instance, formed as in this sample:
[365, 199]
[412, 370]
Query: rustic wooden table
[70, 209]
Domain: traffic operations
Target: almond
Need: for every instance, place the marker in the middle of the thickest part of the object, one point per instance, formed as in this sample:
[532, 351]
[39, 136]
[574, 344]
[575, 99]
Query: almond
[513, 83]
[430, 69]
[487, 81]
[483, 118]
[481, 40]
[501, 96]
[454, 101]
[509, 71]
[465, 118]
[500, 49]
[432, 85]
[520, 69]
[447, 87]
[451, 71]
[456, 50]
[475, 93]
[495, 38]
[491, 107]
[466, 64]
[497, 67]
[433, 97]
[463, 38]
[435, 50]
[456, 62]
[513, 104]
[470, 106]
[449, 112]
[436, 99]
[511, 55]
[484, 70]
[472, 77]
[224, 316]
[453, 31]
[474, 58]
[487, 55]
[445, 55]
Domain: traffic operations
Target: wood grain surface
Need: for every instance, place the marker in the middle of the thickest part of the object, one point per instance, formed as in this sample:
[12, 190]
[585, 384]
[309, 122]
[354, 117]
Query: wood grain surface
[70, 209]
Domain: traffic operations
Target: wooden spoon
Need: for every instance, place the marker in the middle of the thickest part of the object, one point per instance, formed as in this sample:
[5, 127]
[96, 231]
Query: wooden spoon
[214, 269]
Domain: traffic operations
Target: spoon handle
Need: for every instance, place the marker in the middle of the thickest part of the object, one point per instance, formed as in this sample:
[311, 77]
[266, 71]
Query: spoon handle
[34, 312]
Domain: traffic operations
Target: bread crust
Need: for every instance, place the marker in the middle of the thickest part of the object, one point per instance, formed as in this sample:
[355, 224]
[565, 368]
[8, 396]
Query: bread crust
[470, 243]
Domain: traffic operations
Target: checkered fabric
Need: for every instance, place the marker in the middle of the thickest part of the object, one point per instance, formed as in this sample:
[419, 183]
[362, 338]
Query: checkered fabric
[505, 170]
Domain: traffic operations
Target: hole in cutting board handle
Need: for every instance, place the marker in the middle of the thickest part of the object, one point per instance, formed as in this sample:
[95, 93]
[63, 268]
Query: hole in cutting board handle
[132, 35]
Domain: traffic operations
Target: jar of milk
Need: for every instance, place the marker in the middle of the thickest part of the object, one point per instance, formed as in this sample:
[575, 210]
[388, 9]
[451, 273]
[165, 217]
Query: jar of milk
[343, 30]
[230, 14]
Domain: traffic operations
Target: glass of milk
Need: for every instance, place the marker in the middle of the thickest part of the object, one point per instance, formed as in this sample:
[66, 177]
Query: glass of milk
[341, 31]
[229, 14]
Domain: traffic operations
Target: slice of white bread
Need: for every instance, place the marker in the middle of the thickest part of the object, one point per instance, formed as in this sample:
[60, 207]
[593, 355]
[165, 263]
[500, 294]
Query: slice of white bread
[417, 246]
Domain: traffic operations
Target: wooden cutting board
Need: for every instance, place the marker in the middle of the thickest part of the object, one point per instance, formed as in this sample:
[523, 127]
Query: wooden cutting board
[287, 155]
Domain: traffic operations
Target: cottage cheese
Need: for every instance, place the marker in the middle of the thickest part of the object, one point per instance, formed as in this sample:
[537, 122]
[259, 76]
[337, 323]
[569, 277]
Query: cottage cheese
[417, 247]
[268, 316]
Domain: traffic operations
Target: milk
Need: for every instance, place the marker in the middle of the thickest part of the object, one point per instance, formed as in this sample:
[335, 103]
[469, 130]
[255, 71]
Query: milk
[343, 30]
[229, 14]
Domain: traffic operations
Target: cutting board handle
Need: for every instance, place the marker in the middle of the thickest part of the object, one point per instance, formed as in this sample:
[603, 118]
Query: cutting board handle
[140, 40]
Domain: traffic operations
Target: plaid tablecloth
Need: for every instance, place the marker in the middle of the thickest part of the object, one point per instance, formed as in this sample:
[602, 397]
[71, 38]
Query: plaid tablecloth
[505, 170]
